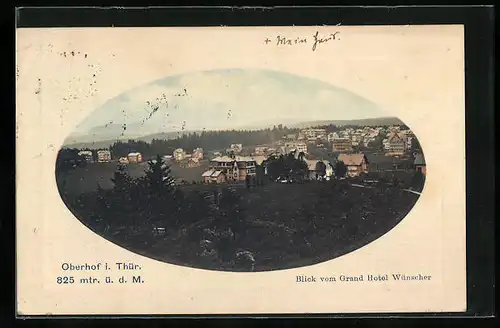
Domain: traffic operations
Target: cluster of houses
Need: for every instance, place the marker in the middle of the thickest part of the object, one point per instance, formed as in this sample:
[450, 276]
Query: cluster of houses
[180, 156]
[282, 147]
[235, 148]
[396, 142]
[231, 169]
[356, 137]
[103, 156]
[87, 155]
[131, 158]
[187, 160]
[312, 134]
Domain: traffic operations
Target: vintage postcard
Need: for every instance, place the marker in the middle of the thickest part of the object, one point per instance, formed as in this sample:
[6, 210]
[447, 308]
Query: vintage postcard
[240, 170]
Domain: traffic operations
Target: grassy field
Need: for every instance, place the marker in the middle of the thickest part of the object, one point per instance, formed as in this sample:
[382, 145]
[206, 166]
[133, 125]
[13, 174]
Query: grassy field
[285, 225]
[86, 179]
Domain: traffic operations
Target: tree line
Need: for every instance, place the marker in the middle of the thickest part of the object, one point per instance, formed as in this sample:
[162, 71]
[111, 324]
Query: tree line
[219, 140]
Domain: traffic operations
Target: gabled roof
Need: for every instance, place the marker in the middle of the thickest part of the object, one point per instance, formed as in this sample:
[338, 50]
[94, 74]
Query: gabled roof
[228, 159]
[339, 140]
[395, 136]
[207, 173]
[211, 173]
[352, 159]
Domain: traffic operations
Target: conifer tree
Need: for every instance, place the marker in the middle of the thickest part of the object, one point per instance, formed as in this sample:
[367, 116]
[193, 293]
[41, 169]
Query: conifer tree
[158, 177]
[340, 169]
[121, 179]
[158, 199]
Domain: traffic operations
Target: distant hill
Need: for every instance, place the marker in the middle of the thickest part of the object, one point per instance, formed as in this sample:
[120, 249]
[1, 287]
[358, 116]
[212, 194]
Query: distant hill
[165, 135]
[104, 136]
[364, 122]
[88, 141]
[90, 144]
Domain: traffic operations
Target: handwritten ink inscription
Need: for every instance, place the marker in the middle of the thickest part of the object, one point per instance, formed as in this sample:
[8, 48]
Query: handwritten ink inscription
[314, 41]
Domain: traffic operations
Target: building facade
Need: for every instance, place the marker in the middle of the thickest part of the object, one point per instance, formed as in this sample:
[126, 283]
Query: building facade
[299, 147]
[179, 154]
[419, 164]
[197, 153]
[396, 144]
[315, 171]
[189, 163]
[235, 168]
[134, 157]
[313, 134]
[236, 148]
[87, 154]
[409, 141]
[332, 136]
[261, 150]
[103, 156]
[355, 163]
[342, 145]
[214, 176]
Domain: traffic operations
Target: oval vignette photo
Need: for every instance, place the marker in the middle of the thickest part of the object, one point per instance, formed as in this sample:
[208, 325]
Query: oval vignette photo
[240, 170]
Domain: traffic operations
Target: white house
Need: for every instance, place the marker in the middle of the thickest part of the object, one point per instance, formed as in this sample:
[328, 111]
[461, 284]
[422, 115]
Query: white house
[87, 154]
[236, 148]
[312, 166]
[103, 156]
[179, 154]
[300, 147]
[198, 153]
[134, 157]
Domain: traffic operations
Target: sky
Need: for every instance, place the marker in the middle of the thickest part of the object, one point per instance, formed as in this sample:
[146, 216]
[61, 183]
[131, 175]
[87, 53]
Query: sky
[226, 99]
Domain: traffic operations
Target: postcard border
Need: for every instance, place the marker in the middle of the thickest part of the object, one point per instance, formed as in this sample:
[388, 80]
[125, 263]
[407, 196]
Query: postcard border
[478, 21]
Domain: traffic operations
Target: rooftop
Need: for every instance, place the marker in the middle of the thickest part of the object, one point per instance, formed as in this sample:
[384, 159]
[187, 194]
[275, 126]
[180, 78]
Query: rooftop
[211, 173]
[227, 159]
[311, 163]
[351, 159]
[419, 160]
[396, 136]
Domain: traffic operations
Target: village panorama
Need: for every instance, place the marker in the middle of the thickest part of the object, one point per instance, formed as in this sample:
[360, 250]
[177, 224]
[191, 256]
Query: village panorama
[246, 200]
